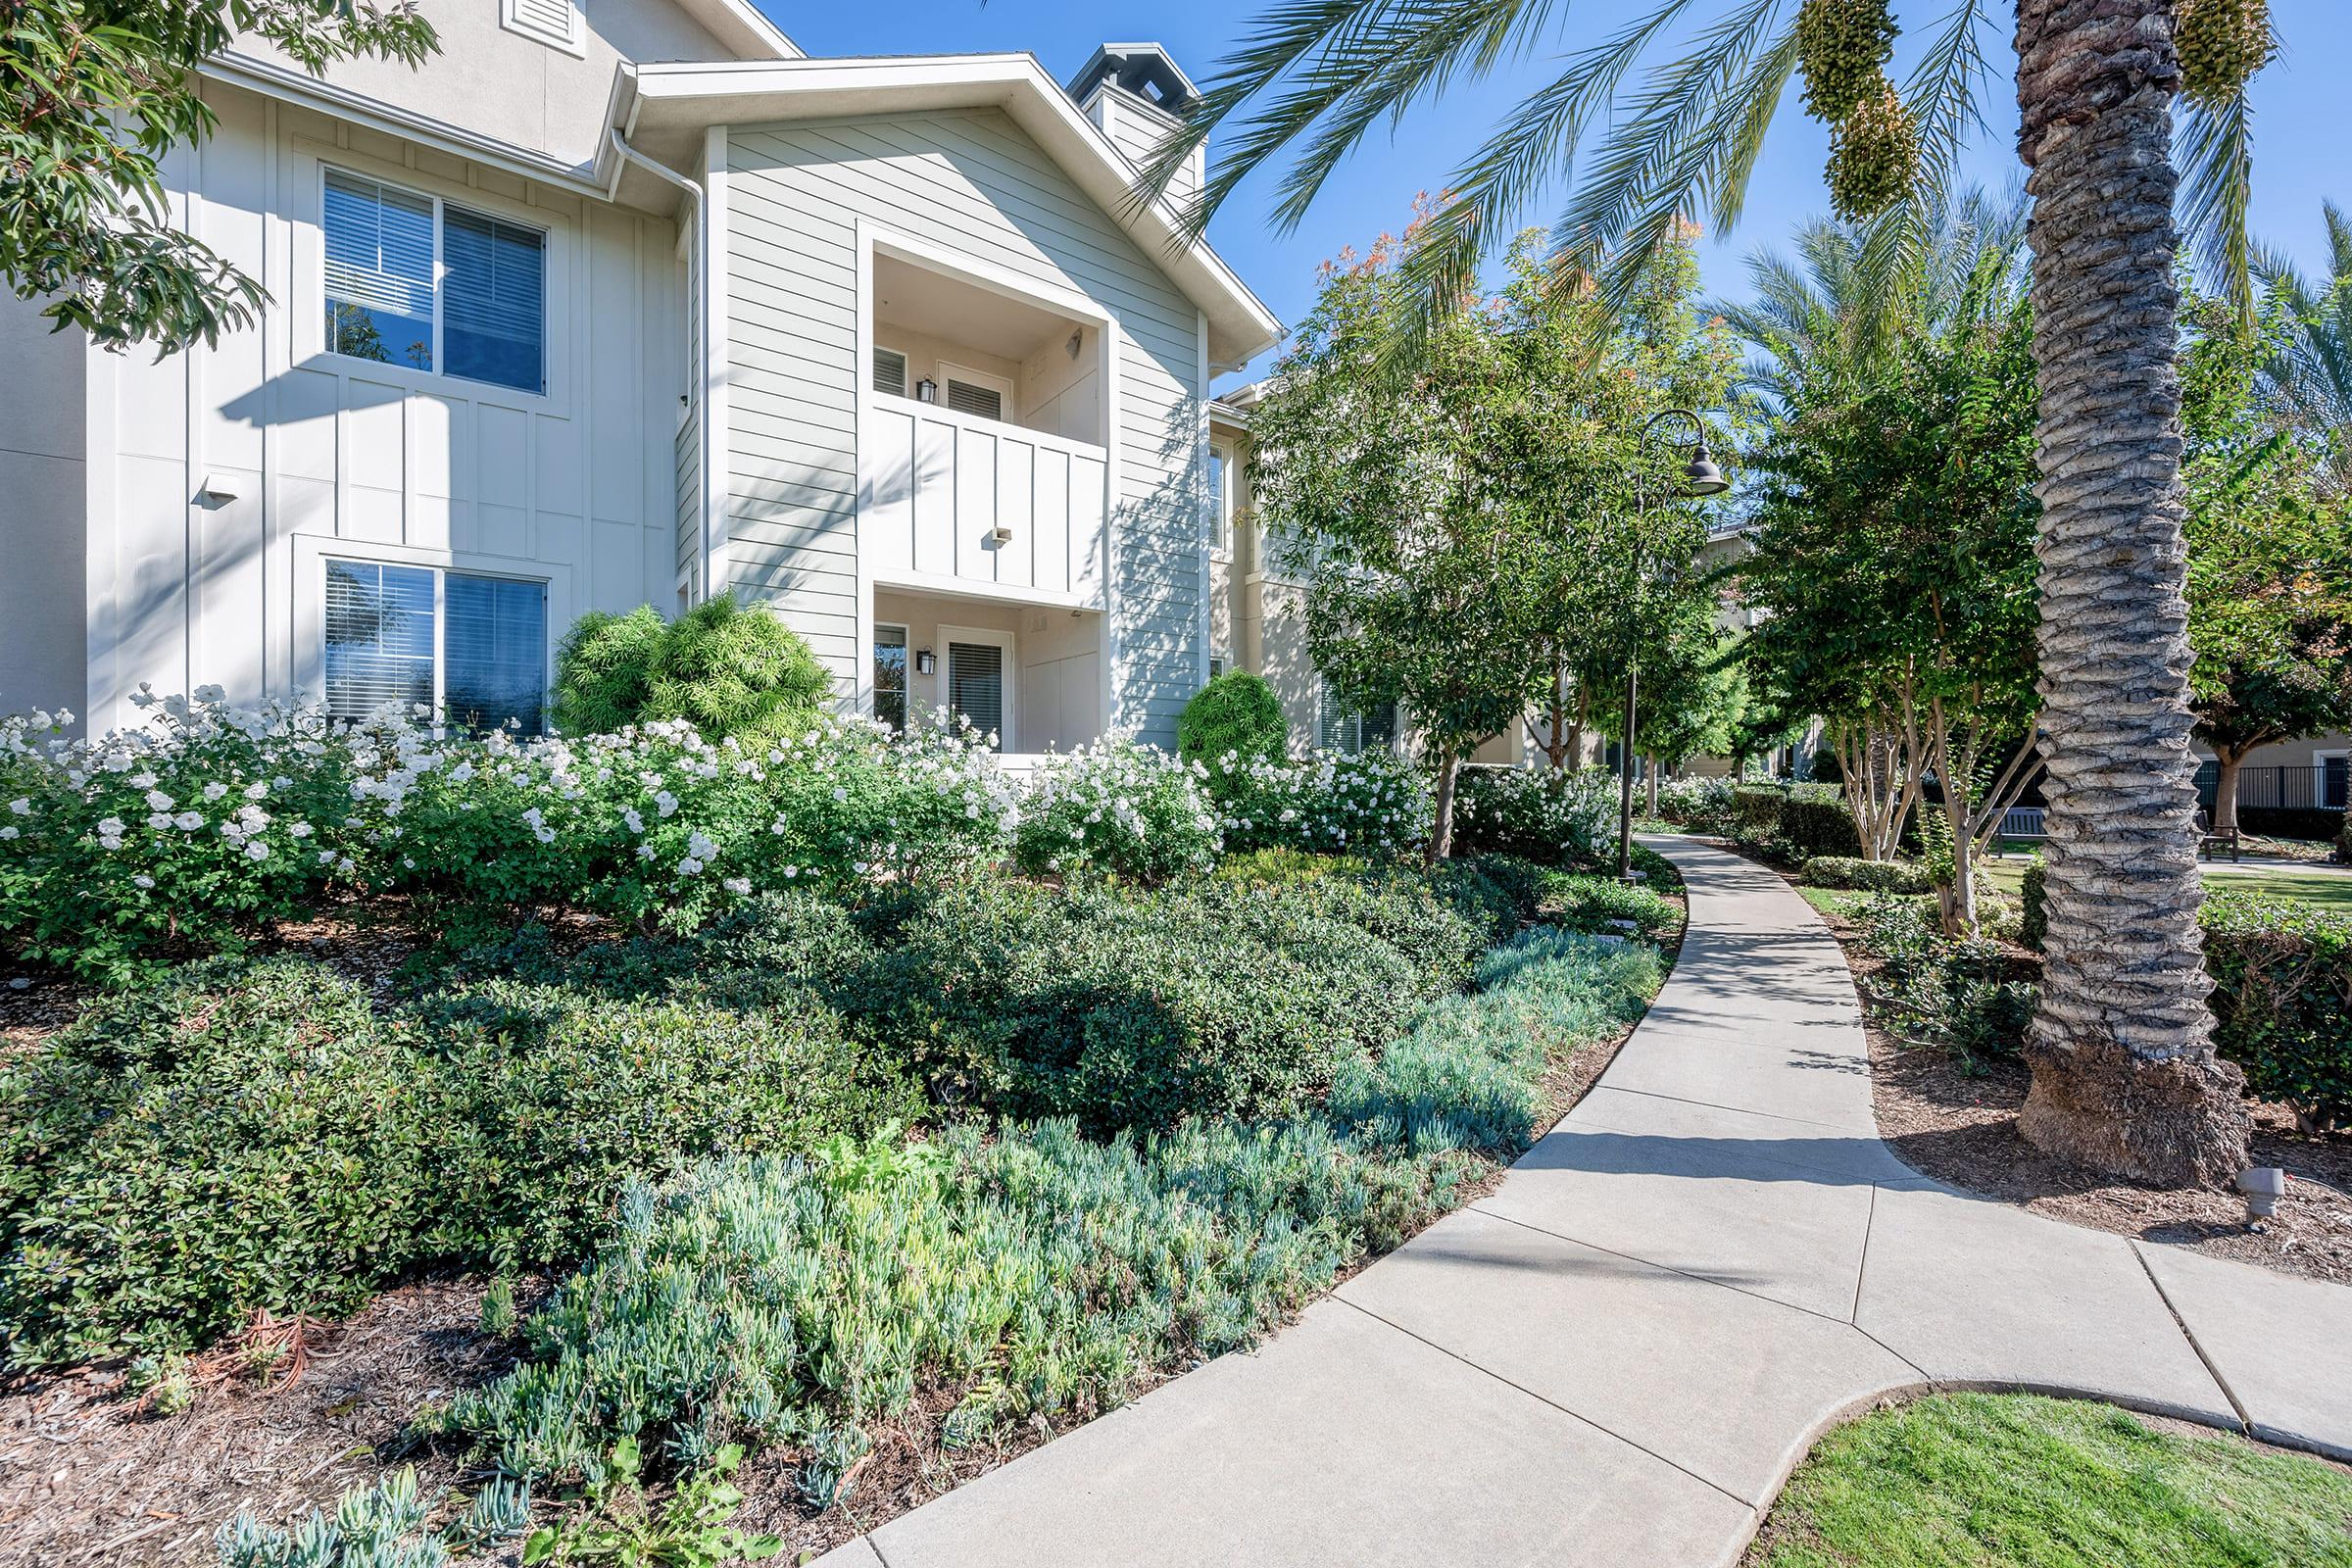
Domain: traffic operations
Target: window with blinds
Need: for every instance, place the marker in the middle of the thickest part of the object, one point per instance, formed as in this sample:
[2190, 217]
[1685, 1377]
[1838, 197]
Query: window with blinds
[379, 271]
[381, 636]
[1220, 508]
[982, 402]
[494, 300]
[1348, 731]
[412, 280]
[472, 648]
[890, 371]
[977, 686]
[890, 676]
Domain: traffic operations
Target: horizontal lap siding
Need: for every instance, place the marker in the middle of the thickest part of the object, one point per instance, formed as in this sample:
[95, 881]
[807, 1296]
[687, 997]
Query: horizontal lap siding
[970, 184]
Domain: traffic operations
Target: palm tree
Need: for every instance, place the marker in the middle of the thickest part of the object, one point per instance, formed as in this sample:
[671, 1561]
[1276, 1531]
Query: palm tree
[2124, 1075]
[2311, 375]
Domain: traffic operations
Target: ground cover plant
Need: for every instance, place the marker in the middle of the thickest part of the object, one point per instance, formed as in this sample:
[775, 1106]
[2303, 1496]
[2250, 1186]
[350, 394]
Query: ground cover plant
[2008, 1481]
[1037, 1272]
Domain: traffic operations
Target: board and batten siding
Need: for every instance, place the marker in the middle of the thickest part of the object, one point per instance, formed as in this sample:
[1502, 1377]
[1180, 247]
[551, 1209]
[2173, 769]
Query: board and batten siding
[328, 454]
[968, 185]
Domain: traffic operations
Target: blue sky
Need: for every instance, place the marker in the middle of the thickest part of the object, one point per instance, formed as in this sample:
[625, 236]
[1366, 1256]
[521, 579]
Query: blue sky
[2302, 129]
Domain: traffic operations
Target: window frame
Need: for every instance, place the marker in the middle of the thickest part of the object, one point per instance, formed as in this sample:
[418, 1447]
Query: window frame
[1009, 675]
[1220, 500]
[905, 371]
[1008, 411]
[2319, 768]
[905, 672]
[321, 553]
[330, 164]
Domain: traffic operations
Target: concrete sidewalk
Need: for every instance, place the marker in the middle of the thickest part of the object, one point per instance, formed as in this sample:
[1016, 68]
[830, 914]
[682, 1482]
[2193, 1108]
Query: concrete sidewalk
[1617, 1357]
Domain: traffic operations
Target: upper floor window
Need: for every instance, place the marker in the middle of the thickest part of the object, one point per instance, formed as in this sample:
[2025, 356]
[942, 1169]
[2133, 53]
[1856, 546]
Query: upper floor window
[413, 280]
[1220, 499]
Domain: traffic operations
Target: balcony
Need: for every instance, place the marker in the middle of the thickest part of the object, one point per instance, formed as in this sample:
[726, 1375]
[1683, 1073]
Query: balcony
[953, 502]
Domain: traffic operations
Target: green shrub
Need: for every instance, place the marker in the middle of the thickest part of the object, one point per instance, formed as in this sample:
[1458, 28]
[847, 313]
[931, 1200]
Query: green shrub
[1816, 826]
[1376, 803]
[1536, 812]
[724, 667]
[244, 1136]
[1590, 902]
[1866, 876]
[1038, 1275]
[2282, 1000]
[2343, 842]
[1965, 995]
[1756, 810]
[1136, 1008]
[1236, 714]
[1115, 808]
[2034, 923]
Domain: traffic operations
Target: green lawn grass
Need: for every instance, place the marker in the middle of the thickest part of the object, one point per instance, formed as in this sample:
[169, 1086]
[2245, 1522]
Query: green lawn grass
[2332, 890]
[2015, 1481]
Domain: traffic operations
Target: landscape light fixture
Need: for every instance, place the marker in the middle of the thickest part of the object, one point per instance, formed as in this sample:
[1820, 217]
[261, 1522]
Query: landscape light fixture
[1700, 477]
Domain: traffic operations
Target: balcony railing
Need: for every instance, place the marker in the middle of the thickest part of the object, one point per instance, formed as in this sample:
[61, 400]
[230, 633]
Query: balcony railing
[952, 501]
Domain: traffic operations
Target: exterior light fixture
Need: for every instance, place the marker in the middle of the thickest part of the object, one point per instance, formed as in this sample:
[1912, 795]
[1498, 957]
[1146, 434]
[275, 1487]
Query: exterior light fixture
[1700, 476]
[925, 662]
[926, 390]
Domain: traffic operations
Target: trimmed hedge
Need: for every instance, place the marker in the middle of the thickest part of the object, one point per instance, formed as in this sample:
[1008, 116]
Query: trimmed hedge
[2282, 998]
[1810, 819]
[259, 1135]
[1866, 876]
[2292, 822]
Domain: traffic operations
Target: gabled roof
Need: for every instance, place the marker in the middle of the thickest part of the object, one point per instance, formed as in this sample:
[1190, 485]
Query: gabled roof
[664, 110]
[740, 25]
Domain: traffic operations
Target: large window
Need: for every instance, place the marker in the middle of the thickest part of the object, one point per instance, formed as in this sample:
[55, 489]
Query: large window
[474, 648]
[413, 280]
[890, 676]
[976, 686]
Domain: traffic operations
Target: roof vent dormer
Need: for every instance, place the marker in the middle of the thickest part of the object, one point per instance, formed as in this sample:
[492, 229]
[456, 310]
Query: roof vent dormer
[1136, 93]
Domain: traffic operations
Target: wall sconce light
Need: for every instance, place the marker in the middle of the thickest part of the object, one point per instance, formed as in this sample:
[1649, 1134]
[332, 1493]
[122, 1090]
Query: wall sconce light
[925, 662]
[926, 390]
[1077, 342]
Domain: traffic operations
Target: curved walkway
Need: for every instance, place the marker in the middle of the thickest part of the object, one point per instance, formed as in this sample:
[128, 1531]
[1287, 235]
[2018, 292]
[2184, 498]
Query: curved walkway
[1619, 1355]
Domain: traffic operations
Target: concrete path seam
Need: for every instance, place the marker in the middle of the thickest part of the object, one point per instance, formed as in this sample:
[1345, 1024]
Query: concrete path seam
[1710, 1104]
[2244, 1420]
[1651, 1263]
[1553, 1405]
[1870, 1223]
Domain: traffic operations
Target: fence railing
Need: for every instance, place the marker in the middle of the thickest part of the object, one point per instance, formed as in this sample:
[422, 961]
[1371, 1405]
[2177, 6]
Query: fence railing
[2321, 786]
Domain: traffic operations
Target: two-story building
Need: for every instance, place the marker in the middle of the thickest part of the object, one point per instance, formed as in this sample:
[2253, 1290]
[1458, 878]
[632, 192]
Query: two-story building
[616, 302]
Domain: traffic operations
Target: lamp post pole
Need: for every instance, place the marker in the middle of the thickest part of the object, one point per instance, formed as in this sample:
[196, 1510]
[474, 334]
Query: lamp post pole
[1700, 477]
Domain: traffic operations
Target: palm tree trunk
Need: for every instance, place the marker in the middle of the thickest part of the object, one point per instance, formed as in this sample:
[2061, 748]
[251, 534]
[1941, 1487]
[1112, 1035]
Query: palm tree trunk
[2124, 1075]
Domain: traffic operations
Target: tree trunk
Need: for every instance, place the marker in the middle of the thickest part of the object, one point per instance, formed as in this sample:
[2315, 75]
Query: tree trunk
[2227, 759]
[2124, 1075]
[1653, 769]
[1441, 831]
[1576, 729]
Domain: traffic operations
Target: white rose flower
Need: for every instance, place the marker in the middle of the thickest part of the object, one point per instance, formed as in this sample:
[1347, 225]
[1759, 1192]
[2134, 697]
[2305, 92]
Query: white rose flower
[142, 881]
[188, 821]
[739, 886]
[22, 805]
[110, 828]
[214, 790]
[8, 832]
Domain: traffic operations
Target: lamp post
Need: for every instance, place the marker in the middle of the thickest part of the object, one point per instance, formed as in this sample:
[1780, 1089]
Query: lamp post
[1700, 477]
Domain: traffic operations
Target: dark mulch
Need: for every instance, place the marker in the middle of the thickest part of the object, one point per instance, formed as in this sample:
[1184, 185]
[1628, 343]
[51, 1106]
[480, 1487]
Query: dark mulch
[86, 1477]
[1956, 1121]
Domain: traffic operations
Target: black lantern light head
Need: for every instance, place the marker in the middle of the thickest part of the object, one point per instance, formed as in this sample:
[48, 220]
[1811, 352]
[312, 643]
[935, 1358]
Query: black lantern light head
[1700, 476]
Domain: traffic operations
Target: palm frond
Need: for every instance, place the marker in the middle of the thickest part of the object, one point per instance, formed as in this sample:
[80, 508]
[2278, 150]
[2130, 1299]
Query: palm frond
[2214, 146]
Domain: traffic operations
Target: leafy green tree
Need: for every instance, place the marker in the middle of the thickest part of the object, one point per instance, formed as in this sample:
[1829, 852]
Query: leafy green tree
[2125, 1077]
[2270, 566]
[93, 93]
[727, 668]
[1894, 554]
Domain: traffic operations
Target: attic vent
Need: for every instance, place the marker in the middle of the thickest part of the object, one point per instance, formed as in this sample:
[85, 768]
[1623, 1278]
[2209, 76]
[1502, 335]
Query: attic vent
[982, 402]
[556, 22]
[890, 371]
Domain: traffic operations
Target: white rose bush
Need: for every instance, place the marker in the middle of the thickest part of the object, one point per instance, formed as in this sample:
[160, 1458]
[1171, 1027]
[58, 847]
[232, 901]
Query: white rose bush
[1375, 804]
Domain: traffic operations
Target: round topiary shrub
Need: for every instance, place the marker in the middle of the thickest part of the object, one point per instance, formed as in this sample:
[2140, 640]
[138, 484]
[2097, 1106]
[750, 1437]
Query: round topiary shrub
[1237, 713]
[727, 668]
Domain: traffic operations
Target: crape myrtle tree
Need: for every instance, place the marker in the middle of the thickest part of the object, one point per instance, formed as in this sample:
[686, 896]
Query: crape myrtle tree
[1894, 557]
[93, 94]
[1379, 482]
[2270, 553]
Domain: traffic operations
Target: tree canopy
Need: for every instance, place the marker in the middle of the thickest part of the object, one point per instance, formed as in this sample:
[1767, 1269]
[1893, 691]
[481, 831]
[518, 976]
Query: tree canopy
[93, 94]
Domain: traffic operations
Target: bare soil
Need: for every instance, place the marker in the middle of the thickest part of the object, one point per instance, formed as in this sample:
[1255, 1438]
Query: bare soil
[88, 1476]
[1956, 1121]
